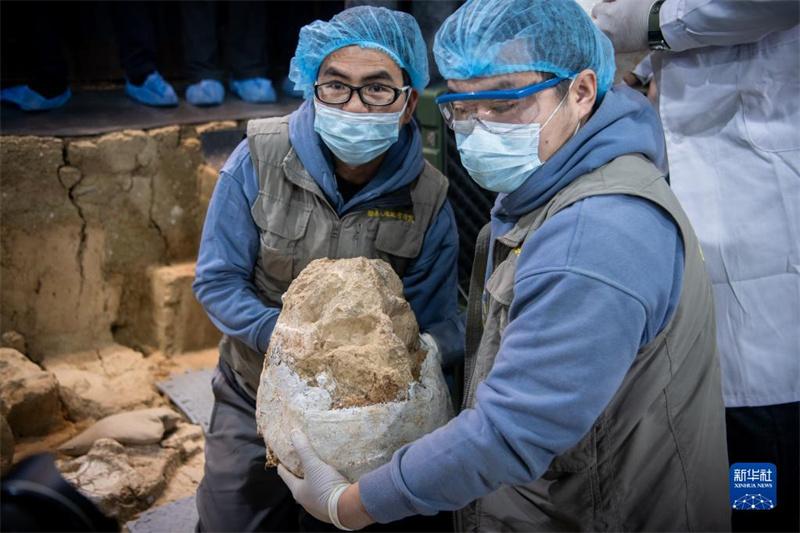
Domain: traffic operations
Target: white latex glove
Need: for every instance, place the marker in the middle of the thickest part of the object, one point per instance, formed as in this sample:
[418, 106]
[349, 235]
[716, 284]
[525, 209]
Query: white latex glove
[625, 23]
[427, 343]
[318, 492]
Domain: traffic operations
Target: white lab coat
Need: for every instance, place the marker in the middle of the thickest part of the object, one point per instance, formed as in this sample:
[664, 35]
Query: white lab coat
[730, 105]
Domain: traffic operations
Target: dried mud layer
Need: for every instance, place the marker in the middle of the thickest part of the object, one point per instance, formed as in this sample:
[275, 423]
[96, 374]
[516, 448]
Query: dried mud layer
[345, 326]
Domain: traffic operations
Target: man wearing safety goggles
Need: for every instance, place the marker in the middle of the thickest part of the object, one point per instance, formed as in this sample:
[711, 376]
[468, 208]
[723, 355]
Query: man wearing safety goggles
[593, 398]
[492, 123]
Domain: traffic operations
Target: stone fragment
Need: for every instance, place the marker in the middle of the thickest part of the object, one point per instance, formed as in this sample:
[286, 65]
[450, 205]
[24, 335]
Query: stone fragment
[6, 446]
[343, 365]
[15, 340]
[122, 481]
[101, 382]
[29, 396]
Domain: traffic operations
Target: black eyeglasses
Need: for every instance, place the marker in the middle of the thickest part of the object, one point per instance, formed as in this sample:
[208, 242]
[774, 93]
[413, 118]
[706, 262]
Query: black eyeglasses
[375, 94]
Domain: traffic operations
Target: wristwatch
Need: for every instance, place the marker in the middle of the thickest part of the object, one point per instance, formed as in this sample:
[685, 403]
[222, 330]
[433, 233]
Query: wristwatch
[655, 39]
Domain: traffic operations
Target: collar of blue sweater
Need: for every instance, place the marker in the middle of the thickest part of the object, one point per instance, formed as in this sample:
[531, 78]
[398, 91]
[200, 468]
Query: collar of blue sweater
[401, 166]
[624, 123]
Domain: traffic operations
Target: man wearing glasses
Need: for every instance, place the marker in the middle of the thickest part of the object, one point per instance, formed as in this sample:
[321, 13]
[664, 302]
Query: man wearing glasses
[593, 396]
[343, 176]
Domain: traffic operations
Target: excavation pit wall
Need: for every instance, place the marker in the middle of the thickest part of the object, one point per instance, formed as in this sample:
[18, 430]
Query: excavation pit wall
[99, 239]
[98, 242]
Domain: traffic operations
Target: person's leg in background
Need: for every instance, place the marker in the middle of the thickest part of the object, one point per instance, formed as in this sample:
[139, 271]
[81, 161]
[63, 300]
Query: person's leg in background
[247, 51]
[284, 23]
[768, 434]
[47, 85]
[237, 492]
[430, 16]
[201, 49]
[136, 39]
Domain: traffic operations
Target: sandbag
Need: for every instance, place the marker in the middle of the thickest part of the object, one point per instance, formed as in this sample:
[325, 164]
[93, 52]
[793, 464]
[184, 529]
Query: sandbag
[145, 426]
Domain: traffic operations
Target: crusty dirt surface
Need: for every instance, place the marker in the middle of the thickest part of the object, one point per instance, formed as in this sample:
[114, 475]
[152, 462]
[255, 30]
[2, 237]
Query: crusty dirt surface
[346, 326]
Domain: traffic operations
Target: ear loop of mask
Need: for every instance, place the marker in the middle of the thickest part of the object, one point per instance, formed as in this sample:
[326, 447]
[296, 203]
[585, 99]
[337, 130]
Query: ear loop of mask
[564, 99]
[405, 104]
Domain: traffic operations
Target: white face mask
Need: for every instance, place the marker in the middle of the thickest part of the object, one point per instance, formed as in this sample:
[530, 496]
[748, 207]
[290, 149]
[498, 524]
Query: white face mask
[501, 162]
[356, 138]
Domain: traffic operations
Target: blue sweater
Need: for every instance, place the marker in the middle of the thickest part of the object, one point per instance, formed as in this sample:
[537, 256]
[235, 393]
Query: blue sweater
[230, 241]
[593, 285]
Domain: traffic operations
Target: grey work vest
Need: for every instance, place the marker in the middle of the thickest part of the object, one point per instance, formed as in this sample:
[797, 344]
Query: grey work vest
[297, 225]
[655, 459]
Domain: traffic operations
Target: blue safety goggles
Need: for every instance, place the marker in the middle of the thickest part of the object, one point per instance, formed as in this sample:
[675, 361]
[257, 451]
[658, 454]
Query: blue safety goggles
[512, 94]
[446, 101]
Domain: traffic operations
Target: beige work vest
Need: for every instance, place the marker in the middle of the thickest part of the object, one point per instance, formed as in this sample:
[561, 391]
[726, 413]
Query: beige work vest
[656, 458]
[297, 225]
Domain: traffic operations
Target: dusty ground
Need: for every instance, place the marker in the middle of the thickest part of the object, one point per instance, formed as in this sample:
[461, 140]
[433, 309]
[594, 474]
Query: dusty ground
[169, 471]
[168, 366]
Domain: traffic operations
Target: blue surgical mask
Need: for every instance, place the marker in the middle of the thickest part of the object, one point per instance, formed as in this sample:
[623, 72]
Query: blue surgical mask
[501, 162]
[356, 138]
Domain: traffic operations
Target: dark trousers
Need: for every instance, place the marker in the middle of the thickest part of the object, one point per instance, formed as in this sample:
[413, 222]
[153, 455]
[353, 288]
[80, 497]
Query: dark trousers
[768, 434]
[238, 493]
[48, 68]
[429, 15]
[136, 39]
[246, 39]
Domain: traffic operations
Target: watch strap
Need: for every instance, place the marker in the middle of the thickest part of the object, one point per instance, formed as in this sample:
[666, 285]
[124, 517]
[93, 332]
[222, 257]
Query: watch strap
[655, 39]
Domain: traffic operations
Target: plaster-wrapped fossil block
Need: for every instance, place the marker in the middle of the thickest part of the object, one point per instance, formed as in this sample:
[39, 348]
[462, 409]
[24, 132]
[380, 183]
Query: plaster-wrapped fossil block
[344, 364]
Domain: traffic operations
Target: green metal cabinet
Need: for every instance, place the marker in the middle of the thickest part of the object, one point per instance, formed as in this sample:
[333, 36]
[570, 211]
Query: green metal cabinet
[432, 126]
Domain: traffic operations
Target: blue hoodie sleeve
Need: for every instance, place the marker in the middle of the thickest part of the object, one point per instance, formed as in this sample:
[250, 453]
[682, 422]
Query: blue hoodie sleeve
[228, 251]
[593, 285]
[431, 286]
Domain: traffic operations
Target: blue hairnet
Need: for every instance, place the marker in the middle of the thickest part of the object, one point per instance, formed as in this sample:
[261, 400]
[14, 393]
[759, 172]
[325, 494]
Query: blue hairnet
[491, 37]
[392, 32]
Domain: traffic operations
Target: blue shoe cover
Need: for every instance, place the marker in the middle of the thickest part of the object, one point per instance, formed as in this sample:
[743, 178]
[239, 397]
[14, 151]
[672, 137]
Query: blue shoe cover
[254, 90]
[154, 91]
[287, 86]
[205, 92]
[29, 100]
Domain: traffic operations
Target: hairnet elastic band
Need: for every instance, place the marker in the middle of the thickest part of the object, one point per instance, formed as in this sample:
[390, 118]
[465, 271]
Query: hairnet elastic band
[512, 94]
